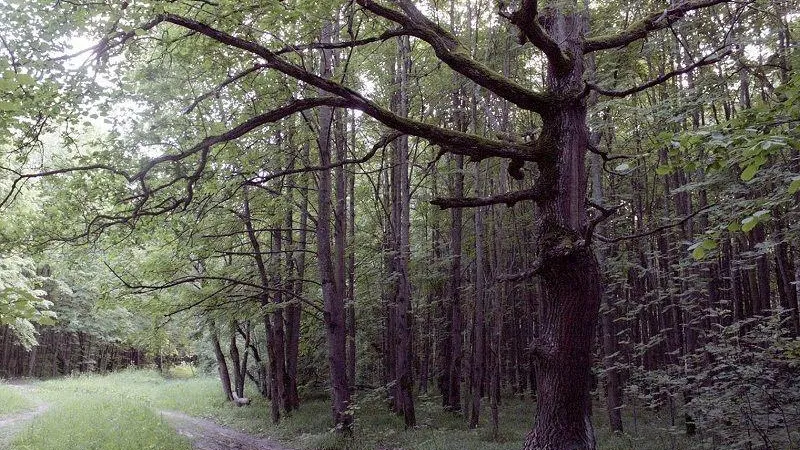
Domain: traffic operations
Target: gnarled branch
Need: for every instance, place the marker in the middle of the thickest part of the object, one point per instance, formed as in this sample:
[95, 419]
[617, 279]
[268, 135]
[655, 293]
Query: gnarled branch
[536, 269]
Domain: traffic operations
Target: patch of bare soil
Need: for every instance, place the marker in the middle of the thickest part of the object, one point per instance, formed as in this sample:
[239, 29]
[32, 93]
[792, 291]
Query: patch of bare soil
[207, 435]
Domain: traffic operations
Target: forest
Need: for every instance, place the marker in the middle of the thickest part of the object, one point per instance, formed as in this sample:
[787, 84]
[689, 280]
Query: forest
[400, 224]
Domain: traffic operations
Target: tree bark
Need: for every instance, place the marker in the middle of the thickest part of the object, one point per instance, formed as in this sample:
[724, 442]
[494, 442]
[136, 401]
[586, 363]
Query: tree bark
[569, 272]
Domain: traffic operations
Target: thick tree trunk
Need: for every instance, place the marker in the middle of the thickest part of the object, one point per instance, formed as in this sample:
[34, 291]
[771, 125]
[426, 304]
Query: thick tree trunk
[569, 271]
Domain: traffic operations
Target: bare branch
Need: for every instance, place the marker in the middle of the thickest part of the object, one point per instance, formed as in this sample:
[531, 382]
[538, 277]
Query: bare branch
[655, 21]
[230, 80]
[654, 230]
[605, 214]
[22, 177]
[383, 142]
[192, 280]
[243, 128]
[509, 199]
[705, 61]
[605, 156]
[346, 44]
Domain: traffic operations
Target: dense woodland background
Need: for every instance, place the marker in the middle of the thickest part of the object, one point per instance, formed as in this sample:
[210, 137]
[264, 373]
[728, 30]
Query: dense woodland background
[167, 195]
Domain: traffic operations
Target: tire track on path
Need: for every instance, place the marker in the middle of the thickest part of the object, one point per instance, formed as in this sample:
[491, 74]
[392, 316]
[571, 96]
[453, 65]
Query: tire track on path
[208, 435]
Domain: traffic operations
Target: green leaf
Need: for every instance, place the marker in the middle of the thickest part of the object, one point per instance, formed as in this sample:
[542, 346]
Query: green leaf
[699, 249]
[7, 84]
[709, 244]
[24, 78]
[761, 213]
[748, 223]
[794, 186]
[749, 172]
[7, 106]
[663, 170]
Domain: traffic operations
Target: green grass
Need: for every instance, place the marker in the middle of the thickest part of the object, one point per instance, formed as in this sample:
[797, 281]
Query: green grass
[182, 371]
[127, 400]
[12, 401]
[96, 413]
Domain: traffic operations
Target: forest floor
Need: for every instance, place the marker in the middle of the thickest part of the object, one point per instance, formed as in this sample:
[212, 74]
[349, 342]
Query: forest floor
[132, 410]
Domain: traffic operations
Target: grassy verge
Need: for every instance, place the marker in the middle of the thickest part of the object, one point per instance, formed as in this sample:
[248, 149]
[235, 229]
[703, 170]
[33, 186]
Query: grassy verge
[134, 394]
[12, 401]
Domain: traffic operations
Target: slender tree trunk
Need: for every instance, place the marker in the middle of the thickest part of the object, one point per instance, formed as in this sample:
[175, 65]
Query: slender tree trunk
[479, 318]
[222, 365]
[351, 271]
[332, 293]
[453, 394]
[278, 333]
[294, 311]
[608, 330]
[274, 365]
[402, 226]
[238, 380]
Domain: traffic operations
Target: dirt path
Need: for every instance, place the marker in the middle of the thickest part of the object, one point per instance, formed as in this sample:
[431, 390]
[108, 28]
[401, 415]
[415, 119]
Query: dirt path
[10, 424]
[207, 435]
